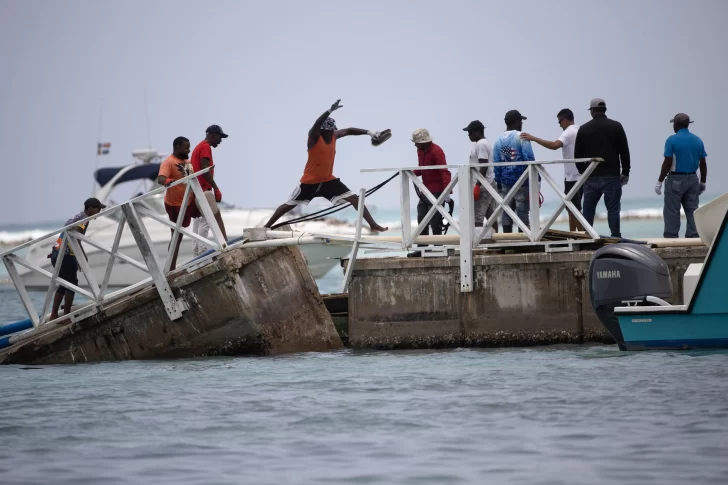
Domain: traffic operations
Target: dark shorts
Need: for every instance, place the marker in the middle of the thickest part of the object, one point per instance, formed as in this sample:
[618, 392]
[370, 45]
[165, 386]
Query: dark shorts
[173, 213]
[68, 272]
[576, 200]
[333, 190]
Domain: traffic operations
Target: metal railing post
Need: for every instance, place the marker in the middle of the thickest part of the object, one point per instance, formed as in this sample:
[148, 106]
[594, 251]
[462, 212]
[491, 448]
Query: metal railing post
[53, 285]
[144, 242]
[533, 199]
[112, 256]
[404, 204]
[83, 264]
[207, 213]
[357, 237]
[175, 232]
[22, 291]
[467, 227]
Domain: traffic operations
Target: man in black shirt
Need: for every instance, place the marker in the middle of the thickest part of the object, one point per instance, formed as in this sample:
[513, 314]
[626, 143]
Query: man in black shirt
[603, 138]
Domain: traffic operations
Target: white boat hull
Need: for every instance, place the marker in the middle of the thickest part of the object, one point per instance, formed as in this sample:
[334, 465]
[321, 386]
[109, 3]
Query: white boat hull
[321, 258]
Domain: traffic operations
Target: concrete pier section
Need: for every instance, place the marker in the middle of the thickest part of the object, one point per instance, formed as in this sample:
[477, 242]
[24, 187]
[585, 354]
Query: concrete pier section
[517, 300]
[256, 301]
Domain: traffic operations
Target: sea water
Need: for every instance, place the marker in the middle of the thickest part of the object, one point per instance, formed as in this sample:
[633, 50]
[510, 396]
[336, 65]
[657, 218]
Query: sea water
[550, 415]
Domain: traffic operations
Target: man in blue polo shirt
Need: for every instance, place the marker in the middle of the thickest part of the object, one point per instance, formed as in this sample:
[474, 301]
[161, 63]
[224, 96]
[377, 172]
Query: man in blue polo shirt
[684, 154]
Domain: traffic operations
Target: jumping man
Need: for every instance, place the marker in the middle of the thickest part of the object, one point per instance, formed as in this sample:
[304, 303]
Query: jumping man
[318, 177]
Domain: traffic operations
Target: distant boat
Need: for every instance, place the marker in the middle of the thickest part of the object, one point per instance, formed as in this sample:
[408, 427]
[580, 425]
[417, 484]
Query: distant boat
[628, 284]
[320, 258]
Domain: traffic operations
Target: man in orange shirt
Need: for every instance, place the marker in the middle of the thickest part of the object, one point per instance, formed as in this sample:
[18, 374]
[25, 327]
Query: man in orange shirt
[173, 168]
[318, 177]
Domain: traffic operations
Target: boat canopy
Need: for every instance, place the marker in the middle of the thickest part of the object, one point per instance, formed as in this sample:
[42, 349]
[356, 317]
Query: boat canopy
[147, 171]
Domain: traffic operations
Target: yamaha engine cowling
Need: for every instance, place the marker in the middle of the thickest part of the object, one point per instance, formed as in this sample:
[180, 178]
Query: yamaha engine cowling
[625, 272]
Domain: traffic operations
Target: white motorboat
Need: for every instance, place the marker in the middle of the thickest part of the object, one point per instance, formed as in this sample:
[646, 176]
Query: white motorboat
[320, 258]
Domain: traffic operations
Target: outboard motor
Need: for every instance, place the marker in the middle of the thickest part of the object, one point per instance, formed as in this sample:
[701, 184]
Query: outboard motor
[625, 272]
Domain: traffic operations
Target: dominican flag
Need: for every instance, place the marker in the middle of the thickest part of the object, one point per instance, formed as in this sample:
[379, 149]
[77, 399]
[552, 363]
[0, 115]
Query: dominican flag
[103, 148]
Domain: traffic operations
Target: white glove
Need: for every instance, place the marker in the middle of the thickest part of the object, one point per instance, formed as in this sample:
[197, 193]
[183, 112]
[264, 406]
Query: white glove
[373, 134]
[447, 199]
[624, 179]
[658, 188]
[703, 187]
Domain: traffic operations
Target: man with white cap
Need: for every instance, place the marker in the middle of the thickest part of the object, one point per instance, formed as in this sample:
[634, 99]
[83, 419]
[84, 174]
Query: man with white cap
[603, 138]
[428, 154]
[318, 177]
[684, 154]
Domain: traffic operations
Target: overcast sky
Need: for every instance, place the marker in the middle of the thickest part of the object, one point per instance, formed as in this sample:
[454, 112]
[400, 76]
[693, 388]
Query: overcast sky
[265, 71]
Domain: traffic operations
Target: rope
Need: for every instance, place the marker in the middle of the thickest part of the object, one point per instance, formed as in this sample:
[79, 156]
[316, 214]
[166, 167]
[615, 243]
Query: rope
[330, 210]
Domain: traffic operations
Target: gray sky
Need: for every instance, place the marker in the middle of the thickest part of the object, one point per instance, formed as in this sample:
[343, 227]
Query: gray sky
[265, 71]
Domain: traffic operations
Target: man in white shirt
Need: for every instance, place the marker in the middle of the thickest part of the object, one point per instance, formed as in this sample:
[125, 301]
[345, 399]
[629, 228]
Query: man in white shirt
[481, 153]
[566, 143]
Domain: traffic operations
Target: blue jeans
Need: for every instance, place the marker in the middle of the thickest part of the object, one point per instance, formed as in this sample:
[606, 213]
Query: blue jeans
[611, 188]
[680, 190]
[520, 200]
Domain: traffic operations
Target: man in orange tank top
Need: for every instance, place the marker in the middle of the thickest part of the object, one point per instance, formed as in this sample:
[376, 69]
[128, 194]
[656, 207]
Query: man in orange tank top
[318, 177]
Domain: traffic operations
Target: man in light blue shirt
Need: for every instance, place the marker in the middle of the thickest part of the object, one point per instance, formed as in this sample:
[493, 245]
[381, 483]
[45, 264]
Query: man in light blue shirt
[684, 155]
[509, 147]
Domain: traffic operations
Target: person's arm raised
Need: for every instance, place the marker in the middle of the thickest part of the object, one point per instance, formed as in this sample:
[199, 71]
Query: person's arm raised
[315, 131]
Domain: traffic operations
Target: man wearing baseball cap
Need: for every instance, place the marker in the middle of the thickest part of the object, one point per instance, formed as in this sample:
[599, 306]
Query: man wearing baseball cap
[482, 152]
[509, 147]
[69, 264]
[201, 159]
[318, 176]
[684, 154]
[601, 137]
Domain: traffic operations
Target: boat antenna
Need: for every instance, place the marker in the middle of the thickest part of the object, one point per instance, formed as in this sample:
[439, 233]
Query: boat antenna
[98, 142]
[146, 113]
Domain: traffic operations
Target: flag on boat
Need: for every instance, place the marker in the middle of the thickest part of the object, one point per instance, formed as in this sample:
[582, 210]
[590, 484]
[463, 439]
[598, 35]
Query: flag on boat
[103, 148]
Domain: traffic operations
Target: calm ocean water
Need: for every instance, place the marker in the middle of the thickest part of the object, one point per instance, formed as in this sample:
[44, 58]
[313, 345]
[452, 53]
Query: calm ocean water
[557, 415]
[553, 415]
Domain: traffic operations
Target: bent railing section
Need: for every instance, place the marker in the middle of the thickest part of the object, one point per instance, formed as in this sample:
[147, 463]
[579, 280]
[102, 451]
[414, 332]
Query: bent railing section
[131, 214]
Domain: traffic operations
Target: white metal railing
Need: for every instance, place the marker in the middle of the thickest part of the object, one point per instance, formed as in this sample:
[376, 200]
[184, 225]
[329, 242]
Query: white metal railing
[131, 213]
[465, 175]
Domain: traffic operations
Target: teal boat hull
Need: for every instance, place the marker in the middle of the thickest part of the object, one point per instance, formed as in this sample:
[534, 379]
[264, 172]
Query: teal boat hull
[652, 331]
